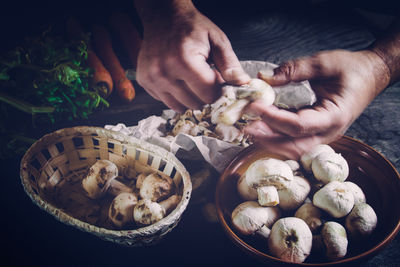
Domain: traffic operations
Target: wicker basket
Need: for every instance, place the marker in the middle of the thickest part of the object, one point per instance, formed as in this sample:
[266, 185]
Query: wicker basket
[67, 153]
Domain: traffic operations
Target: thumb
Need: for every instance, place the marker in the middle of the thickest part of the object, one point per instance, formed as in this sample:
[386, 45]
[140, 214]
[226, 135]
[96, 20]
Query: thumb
[226, 62]
[291, 71]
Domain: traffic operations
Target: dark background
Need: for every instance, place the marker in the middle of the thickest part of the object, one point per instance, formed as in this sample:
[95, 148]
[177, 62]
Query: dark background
[262, 30]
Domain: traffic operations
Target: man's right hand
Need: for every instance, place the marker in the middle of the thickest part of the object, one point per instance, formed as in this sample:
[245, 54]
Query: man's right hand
[178, 45]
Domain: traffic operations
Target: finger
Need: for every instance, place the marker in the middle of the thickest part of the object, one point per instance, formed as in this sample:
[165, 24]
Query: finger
[201, 79]
[226, 61]
[172, 103]
[292, 71]
[306, 122]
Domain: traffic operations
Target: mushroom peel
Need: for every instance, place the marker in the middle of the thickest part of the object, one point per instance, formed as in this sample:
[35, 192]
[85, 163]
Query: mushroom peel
[335, 198]
[147, 212]
[328, 167]
[121, 209]
[335, 239]
[233, 112]
[250, 218]
[256, 89]
[361, 221]
[359, 196]
[156, 187]
[307, 158]
[100, 178]
[267, 196]
[269, 171]
[290, 240]
[245, 191]
[311, 215]
[292, 196]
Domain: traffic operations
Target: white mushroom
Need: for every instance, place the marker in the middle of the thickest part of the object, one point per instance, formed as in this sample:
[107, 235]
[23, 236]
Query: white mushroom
[335, 240]
[290, 240]
[361, 221]
[328, 167]
[269, 171]
[245, 191]
[218, 107]
[156, 187]
[311, 215]
[139, 179]
[294, 165]
[359, 196]
[307, 158]
[121, 209]
[100, 178]
[228, 133]
[267, 196]
[256, 89]
[233, 112]
[250, 218]
[292, 196]
[147, 212]
[335, 198]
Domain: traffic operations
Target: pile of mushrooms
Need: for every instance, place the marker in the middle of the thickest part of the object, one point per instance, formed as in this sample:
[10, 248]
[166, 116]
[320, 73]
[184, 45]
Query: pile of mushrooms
[148, 198]
[323, 212]
[225, 118]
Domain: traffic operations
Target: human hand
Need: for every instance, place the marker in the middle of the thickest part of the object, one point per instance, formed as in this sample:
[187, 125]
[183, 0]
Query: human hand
[173, 64]
[344, 82]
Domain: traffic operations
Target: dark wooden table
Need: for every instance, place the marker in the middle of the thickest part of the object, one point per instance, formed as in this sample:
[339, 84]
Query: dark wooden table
[31, 237]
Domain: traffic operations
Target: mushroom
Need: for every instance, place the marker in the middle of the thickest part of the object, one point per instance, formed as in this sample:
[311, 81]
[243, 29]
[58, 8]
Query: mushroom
[294, 165]
[307, 158]
[359, 196]
[267, 196]
[335, 198]
[228, 133]
[256, 89]
[245, 191]
[361, 221]
[147, 212]
[290, 240]
[156, 187]
[335, 240]
[269, 171]
[311, 215]
[328, 166]
[121, 209]
[251, 218]
[233, 112]
[218, 107]
[139, 179]
[294, 194]
[100, 178]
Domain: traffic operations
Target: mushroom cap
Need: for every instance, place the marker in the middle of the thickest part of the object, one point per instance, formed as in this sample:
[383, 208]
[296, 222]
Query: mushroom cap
[307, 158]
[147, 212]
[290, 239]
[311, 215]
[335, 198]
[245, 191]
[328, 167]
[219, 106]
[294, 194]
[361, 221]
[269, 171]
[98, 178]
[294, 165]
[121, 209]
[359, 196]
[248, 217]
[335, 240]
[156, 187]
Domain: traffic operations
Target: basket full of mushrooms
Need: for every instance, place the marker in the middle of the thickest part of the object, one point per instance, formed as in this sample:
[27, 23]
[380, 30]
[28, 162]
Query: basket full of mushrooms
[116, 187]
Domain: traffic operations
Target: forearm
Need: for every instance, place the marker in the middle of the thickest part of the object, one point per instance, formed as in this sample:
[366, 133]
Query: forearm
[387, 47]
[151, 11]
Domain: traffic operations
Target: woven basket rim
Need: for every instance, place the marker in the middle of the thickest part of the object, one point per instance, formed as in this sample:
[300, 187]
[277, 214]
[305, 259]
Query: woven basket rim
[129, 140]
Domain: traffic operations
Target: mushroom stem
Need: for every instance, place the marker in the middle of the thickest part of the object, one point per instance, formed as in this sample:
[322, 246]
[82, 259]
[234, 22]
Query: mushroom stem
[264, 232]
[170, 203]
[116, 188]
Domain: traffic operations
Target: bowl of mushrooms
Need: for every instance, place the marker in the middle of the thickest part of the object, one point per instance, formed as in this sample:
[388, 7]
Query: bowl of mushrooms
[333, 206]
[116, 187]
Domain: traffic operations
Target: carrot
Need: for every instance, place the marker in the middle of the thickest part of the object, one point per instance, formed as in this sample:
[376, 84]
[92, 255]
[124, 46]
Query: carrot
[128, 34]
[101, 78]
[103, 46]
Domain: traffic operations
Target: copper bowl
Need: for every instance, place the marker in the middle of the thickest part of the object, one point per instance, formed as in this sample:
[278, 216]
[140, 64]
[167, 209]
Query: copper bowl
[369, 169]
